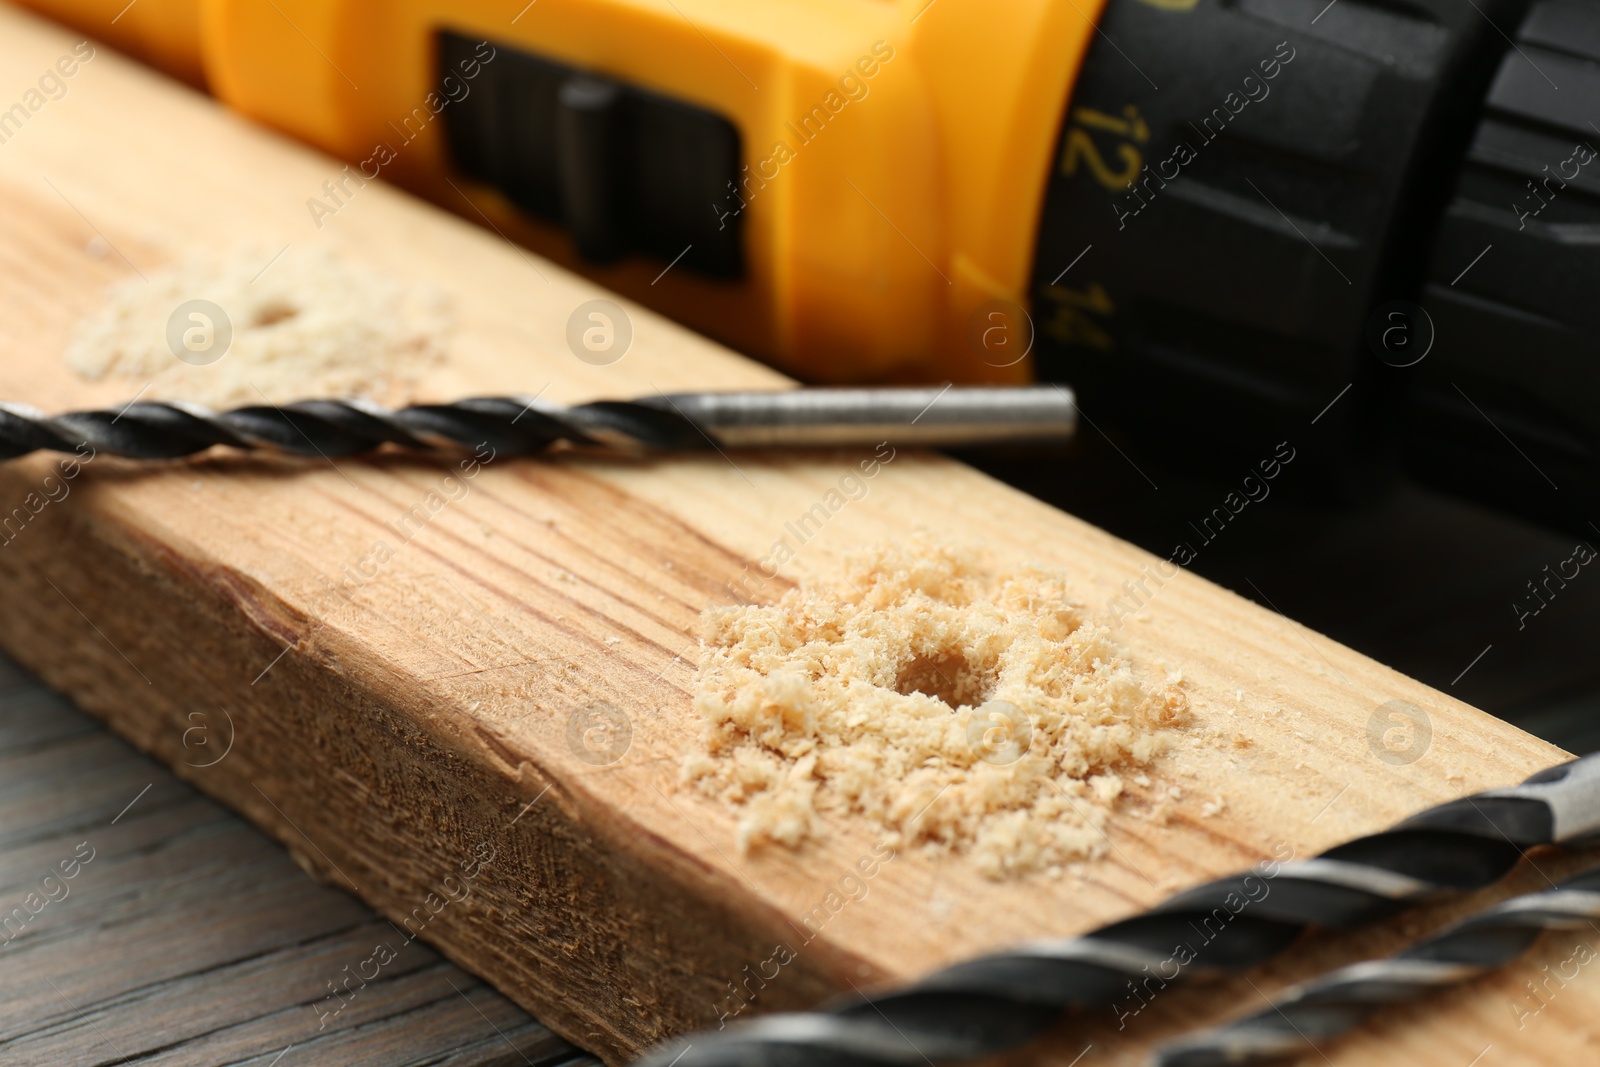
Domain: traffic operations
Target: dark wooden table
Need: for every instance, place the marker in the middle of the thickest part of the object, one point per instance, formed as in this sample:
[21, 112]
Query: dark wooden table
[141, 923]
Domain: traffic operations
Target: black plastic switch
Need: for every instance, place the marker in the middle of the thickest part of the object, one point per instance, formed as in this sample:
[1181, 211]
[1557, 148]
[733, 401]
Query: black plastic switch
[624, 169]
[590, 148]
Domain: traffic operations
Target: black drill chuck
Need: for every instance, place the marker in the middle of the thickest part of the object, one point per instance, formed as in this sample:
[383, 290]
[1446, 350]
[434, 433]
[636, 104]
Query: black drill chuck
[1262, 187]
[1507, 406]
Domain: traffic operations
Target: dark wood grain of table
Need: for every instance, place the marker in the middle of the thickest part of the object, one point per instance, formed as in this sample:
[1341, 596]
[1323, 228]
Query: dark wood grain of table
[142, 923]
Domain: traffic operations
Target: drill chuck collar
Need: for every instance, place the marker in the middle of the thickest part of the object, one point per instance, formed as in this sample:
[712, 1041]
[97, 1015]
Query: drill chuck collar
[1262, 220]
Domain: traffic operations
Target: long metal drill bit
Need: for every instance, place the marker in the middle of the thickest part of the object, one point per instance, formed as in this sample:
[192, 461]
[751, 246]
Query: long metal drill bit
[999, 1001]
[1339, 1001]
[952, 416]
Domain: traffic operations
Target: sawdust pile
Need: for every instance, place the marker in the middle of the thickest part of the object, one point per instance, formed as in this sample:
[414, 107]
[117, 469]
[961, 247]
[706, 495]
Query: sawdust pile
[305, 325]
[958, 708]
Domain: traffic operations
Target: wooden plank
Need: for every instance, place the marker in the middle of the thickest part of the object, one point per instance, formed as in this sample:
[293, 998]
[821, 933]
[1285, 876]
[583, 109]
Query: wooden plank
[387, 736]
[186, 938]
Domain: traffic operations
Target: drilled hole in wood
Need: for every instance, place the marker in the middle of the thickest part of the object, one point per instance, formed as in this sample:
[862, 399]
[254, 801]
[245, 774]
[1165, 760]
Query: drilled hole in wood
[947, 677]
[271, 314]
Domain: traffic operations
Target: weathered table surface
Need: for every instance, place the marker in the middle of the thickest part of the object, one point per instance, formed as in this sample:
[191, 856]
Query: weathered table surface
[186, 938]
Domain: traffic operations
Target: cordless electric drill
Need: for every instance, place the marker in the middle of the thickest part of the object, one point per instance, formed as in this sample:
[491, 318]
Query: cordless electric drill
[1223, 222]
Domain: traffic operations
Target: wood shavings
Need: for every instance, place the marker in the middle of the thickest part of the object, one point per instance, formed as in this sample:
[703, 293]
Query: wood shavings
[957, 708]
[307, 325]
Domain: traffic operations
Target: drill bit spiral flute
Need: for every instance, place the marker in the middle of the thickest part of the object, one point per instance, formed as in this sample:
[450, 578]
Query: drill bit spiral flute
[952, 416]
[1337, 1002]
[997, 1002]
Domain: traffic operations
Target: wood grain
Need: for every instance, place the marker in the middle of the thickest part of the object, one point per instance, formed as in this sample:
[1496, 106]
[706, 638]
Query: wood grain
[389, 731]
[184, 938]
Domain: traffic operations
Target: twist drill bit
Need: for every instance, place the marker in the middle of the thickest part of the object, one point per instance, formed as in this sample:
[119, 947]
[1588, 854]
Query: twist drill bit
[801, 418]
[999, 1001]
[1339, 1001]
